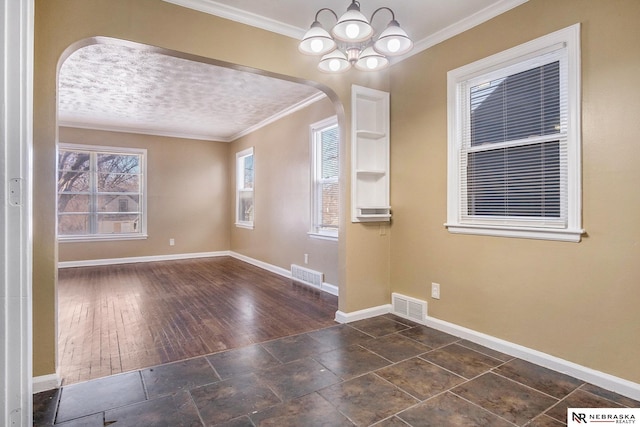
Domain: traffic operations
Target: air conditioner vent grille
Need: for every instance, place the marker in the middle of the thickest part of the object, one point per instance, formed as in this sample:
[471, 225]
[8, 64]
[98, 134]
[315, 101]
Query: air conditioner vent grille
[408, 307]
[307, 276]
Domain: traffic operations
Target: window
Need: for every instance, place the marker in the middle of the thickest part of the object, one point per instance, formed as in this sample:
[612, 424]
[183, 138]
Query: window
[325, 139]
[245, 176]
[100, 193]
[514, 142]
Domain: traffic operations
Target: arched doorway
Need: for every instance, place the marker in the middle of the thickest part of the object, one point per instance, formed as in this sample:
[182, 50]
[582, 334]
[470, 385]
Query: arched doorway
[87, 72]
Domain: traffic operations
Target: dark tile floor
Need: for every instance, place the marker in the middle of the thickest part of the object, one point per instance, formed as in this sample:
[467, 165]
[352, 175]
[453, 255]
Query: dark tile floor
[383, 371]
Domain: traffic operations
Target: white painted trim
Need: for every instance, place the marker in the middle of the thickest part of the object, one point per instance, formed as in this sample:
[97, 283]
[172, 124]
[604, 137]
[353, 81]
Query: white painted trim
[214, 8]
[239, 186]
[263, 265]
[16, 211]
[564, 43]
[592, 376]
[282, 114]
[342, 317]
[242, 16]
[562, 235]
[463, 25]
[320, 236]
[329, 288]
[600, 379]
[143, 131]
[201, 137]
[315, 175]
[326, 287]
[131, 260]
[46, 382]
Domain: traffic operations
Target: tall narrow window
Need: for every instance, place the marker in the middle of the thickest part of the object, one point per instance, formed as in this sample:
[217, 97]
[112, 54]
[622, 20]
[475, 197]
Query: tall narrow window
[100, 193]
[325, 141]
[245, 176]
[514, 142]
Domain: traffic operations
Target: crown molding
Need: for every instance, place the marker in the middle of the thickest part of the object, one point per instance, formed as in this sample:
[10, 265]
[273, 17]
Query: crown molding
[70, 122]
[234, 14]
[214, 8]
[139, 130]
[289, 110]
[463, 25]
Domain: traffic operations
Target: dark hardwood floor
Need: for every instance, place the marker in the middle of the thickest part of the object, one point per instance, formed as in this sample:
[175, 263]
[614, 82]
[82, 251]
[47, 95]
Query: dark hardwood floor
[118, 318]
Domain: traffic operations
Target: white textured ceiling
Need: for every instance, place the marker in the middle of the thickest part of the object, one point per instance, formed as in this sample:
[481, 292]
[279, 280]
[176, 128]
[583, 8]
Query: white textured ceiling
[127, 88]
[123, 88]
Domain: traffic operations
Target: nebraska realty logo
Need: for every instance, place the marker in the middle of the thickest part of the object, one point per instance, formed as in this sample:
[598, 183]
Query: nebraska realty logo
[600, 416]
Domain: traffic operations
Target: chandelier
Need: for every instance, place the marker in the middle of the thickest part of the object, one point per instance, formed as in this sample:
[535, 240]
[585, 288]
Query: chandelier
[353, 41]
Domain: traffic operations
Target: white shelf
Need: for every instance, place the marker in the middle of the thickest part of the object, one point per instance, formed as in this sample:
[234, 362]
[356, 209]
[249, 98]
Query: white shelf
[370, 214]
[369, 134]
[371, 172]
[370, 155]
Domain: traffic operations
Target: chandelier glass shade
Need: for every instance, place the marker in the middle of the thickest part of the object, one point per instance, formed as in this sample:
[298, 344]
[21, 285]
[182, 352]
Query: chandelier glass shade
[353, 42]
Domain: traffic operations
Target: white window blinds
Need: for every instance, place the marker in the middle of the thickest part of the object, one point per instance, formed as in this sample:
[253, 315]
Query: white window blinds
[325, 168]
[328, 180]
[514, 162]
[513, 154]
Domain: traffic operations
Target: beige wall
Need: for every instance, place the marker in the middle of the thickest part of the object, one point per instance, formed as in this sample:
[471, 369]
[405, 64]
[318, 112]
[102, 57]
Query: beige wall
[187, 197]
[60, 24]
[576, 301]
[282, 195]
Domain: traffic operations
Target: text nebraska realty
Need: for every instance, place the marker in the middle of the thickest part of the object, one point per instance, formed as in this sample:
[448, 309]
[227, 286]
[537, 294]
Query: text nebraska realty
[605, 418]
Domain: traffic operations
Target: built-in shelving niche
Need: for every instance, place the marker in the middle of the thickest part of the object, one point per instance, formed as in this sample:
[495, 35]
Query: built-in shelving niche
[370, 155]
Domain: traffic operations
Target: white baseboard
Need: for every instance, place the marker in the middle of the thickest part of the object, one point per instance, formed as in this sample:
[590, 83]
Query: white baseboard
[342, 317]
[329, 288]
[598, 378]
[263, 265]
[45, 382]
[131, 260]
[326, 287]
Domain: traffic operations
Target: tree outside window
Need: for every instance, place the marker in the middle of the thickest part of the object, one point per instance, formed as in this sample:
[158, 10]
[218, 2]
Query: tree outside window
[100, 192]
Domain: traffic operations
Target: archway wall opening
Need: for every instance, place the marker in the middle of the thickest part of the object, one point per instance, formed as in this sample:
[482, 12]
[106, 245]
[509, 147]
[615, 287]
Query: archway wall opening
[62, 26]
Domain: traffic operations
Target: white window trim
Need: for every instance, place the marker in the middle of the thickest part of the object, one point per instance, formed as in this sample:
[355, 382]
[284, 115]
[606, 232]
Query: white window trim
[244, 224]
[314, 232]
[143, 193]
[572, 232]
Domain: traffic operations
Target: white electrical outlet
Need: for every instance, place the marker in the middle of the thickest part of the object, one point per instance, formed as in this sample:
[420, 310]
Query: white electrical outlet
[306, 258]
[172, 242]
[435, 290]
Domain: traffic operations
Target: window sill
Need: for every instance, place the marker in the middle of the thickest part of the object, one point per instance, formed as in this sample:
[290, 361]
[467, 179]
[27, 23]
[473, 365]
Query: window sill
[563, 235]
[244, 225]
[101, 238]
[323, 236]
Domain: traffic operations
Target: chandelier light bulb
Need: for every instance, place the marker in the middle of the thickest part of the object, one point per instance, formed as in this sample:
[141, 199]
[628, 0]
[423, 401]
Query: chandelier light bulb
[352, 31]
[370, 60]
[352, 26]
[316, 46]
[372, 63]
[334, 62]
[393, 40]
[317, 41]
[393, 45]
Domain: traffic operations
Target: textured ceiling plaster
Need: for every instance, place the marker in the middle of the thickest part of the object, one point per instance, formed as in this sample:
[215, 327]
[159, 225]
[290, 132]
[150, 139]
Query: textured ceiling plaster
[115, 87]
